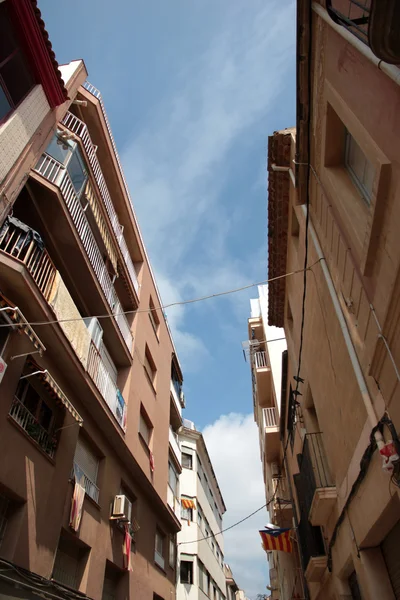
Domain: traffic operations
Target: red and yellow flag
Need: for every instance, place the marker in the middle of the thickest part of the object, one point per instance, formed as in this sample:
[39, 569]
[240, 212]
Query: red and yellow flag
[276, 539]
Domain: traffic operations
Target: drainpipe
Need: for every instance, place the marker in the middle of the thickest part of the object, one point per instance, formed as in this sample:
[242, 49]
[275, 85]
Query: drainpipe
[278, 169]
[390, 70]
[346, 334]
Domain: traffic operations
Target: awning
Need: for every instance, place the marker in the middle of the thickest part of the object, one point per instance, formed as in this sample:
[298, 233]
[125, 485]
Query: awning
[188, 503]
[53, 388]
[18, 319]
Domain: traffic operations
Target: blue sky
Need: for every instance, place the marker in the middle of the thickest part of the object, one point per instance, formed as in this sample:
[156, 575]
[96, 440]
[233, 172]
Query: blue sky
[192, 89]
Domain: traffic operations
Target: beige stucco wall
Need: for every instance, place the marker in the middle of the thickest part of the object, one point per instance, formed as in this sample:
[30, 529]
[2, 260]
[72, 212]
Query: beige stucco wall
[16, 132]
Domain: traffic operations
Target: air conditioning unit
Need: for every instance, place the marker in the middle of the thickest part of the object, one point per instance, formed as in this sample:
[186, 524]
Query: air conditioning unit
[95, 330]
[275, 470]
[122, 508]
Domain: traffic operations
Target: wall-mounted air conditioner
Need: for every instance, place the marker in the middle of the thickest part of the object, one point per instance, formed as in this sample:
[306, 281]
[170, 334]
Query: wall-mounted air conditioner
[95, 330]
[121, 508]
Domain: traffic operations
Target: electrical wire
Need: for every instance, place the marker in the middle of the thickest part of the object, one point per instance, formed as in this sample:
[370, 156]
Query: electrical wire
[213, 535]
[171, 304]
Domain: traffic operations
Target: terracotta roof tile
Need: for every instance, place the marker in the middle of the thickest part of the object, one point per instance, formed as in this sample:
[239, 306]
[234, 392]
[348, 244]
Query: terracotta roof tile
[278, 205]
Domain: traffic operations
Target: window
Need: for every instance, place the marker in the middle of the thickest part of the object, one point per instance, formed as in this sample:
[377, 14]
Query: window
[186, 571]
[111, 580]
[86, 466]
[176, 379]
[199, 517]
[187, 460]
[153, 316]
[187, 513]
[4, 332]
[159, 549]
[67, 152]
[149, 366]
[34, 415]
[172, 551]
[202, 572]
[16, 79]
[213, 547]
[354, 587]
[359, 168]
[145, 426]
[173, 478]
[69, 562]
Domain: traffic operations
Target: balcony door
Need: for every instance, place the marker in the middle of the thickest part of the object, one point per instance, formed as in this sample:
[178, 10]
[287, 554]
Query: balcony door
[67, 153]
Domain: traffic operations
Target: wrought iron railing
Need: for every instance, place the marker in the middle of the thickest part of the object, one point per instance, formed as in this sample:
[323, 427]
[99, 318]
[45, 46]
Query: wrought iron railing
[354, 15]
[98, 371]
[57, 174]
[33, 428]
[20, 243]
[81, 130]
[314, 467]
[91, 488]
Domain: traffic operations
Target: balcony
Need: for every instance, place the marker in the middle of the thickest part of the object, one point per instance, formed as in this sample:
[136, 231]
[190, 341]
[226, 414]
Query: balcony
[174, 444]
[176, 395]
[263, 380]
[173, 503]
[20, 242]
[28, 422]
[282, 505]
[320, 489]
[55, 173]
[107, 387]
[80, 129]
[271, 428]
[376, 24]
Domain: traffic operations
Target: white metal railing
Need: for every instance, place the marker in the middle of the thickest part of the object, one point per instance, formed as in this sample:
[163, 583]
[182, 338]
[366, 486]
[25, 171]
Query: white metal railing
[81, 130]
[106, 385]
[30, 424]
[173, 440]
[57, 174]
[173, 502]
[270, 417]
[91, 488]
[260, 359]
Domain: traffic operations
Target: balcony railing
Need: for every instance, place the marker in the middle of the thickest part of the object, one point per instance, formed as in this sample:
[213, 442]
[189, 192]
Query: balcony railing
[270, 417]
[21, 244]
[106, 385]
[52, 170]
[81, 130]
[376, 24]
[260, 360]
[30, 424]
[91, 488]
[314, 468]
[173, 440]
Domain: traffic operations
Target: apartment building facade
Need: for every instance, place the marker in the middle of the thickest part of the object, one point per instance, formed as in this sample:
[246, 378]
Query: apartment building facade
[200, 545]
[90, 384]
[264, 352]
[333, 206]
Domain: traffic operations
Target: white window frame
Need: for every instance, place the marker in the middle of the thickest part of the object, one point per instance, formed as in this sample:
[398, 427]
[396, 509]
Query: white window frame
[159, 548]
[365, 190]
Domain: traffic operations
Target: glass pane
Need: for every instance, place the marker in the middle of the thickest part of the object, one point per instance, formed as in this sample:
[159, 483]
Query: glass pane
[7, 39]
[5, 106]
[17, 77]
[59, 149]
[77, 171]
[369, 174]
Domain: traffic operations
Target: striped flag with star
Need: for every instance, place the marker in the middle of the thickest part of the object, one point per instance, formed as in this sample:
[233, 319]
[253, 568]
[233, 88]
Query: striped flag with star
[276, 539]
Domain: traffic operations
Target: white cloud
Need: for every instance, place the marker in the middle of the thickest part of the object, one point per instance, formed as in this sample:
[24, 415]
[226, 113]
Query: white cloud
[178, 164]
[232, 442]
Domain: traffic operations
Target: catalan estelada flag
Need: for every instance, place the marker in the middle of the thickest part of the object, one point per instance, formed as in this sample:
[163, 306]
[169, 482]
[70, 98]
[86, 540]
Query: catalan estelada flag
[276, 539]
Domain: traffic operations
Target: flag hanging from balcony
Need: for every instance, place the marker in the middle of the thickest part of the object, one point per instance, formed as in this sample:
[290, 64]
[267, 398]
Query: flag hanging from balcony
[76, 505]
[126, 548]
[276, 539]
[187, 504]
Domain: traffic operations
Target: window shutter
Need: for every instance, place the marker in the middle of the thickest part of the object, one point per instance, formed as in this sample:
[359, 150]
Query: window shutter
[86, 459]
